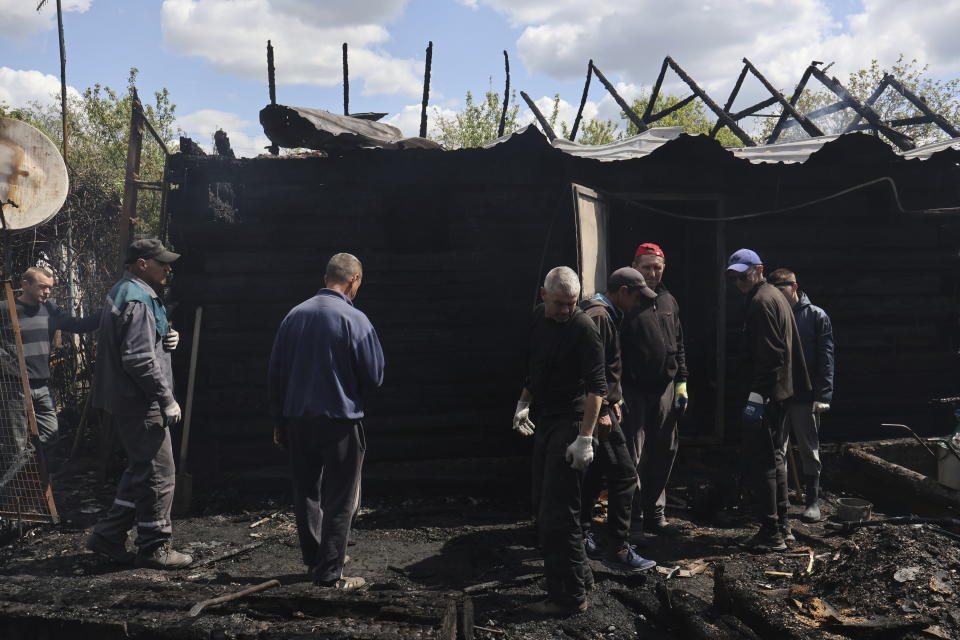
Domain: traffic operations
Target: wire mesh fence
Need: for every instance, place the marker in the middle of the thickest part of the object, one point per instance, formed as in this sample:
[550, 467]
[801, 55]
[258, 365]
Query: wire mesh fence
[25, 492]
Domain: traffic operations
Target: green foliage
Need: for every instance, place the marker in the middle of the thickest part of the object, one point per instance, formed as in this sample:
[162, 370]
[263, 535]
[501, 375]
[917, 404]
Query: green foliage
[477, 124]
[599, 132]
[692, 117]
[942, 96]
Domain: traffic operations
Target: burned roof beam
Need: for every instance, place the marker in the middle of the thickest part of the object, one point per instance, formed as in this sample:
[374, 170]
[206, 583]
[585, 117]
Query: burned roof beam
[873, 98]
[713, 106]
[583, 101]
[903, 142]
[346, 82]
[921, 104]
[547, 129]
[656, 91]
[426, 89]
[659, 115]
[730, 100]
[630, 113]
[819, 113]
[899, 122]
[797, 92]
[812, 130]
[506, 96]
[740, 115]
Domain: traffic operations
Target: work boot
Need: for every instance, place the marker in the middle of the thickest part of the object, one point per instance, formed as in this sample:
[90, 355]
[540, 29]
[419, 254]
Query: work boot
[657, 524]
[627, 560]
[812, 512]
[590, 546]
[765, 541]
[550, 609]
[115, 551]
[163, 556]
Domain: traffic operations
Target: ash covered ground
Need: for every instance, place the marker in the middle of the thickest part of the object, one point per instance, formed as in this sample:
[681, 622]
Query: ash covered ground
[425, 556]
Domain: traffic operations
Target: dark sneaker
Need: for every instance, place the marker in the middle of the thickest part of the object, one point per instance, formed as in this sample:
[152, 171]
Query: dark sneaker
[628, 560]
[163, 556]
[664, 528]
[590, 546]
[550, 609]
[812, 512]
[765, 542]
[115, 551]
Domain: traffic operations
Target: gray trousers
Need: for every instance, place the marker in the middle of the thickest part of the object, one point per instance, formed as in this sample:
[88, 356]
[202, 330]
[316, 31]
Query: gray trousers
[46, 412]
[650, 427]
[803, 426]
[145, 493]
[326, 457]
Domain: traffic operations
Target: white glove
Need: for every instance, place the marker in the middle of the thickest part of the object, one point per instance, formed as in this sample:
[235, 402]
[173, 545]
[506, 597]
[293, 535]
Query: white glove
[580, 453]
[521, 420]
[171, 340]
[171, 414]
[821, 407]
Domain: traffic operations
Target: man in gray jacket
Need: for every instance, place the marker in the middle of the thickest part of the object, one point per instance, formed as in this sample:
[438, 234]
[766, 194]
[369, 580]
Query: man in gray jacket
[133, 384]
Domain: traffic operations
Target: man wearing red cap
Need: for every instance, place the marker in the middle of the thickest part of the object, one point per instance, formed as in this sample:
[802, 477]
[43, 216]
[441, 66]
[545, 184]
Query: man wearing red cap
[654, 390]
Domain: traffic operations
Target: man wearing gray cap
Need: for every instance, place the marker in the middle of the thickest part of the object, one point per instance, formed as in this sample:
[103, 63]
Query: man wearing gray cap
[133, 384]
[771, 370]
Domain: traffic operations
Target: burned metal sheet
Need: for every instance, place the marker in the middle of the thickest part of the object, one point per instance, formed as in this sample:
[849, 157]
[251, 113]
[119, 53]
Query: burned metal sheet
[302, 127]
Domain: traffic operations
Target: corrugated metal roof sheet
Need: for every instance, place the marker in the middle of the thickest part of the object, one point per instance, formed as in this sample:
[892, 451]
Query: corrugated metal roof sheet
[645, 143]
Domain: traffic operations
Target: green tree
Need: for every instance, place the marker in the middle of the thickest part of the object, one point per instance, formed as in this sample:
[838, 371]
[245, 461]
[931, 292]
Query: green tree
[590, 132]
[692, 117]
[477, 124]
[942, 96]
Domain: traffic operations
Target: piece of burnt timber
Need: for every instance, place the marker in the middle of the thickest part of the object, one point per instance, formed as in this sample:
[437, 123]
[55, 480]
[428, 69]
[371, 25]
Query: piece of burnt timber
[547, 129]
[769, 620]
[812, 130]
[630, 113]
[886, 476]
[730, 100]
[271, 75]
[921, 104]
[221, 144]
[506, 94]
[346, 82]
[797, 92]
[713, 106]
[426, 90]
[655, 93]
[583, 101]
[688, 621]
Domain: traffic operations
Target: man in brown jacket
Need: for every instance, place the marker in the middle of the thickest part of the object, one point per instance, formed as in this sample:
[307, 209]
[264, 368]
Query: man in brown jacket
[772, 369]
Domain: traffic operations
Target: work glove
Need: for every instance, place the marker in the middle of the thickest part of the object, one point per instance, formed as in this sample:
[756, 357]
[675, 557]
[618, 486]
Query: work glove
[753, 412]
[680, 398]
[521, 420]
[171, 414]
[580, 453]
[821, 407]
[171, 340]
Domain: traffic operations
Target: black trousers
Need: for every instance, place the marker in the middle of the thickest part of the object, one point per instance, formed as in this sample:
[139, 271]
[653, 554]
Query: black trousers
[650, 426]
[556, 502]
[765, 464]
[612, 462]
[325, 459]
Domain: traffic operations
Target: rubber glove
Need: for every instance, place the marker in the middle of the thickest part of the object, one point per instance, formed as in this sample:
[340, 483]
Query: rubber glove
[821, 407]
[680, 398]
[521, 420]
[753, 412]
[580, 453]
[171, 340]
[171, 414]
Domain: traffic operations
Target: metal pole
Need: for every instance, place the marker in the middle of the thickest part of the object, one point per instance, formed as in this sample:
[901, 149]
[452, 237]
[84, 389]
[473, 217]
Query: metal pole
[63, 80]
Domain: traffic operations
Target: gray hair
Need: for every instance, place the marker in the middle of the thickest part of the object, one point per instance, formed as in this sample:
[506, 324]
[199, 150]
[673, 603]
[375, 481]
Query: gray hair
[562, 281]
[342, 267]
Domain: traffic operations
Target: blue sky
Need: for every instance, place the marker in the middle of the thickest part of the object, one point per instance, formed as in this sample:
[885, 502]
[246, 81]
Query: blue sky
[210, 54]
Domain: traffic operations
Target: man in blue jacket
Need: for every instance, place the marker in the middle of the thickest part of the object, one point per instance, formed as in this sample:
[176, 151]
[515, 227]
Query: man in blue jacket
[804, 409]
[325, 356]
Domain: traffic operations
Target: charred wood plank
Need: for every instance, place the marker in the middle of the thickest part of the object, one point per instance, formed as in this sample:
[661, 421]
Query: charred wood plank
[740, 115]
[756, 610]
[713, 106]
[583, 101]
[627, 110]
[797, 92]
[346, 82]
[506, 95]
[907, 481]
[805, 122]
[547, 129]
[655, 92]
[730, 100]
[426, 90]
[660, 115]
[819, 113]
[271, 75]
[854, 124]
[921, 104]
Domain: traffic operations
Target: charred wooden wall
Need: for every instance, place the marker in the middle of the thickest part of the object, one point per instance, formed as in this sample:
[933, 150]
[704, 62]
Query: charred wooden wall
[454, 245]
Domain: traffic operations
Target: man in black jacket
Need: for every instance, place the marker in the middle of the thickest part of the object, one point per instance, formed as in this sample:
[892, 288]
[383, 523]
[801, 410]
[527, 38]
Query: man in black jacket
[564, 381]
[655, 392]
[772, 370]
[625, 290]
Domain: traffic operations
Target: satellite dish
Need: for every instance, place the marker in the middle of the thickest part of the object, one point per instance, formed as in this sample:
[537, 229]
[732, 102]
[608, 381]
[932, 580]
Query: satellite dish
[33, 176]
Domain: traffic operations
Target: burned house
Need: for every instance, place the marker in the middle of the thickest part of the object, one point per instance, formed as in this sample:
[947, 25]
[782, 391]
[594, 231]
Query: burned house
[456, 243]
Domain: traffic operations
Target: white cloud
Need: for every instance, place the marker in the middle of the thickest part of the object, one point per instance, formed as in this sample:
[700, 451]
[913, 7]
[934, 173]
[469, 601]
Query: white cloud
[22, 20]
[232, 36]
[200, 126]
[628, 40]
[408, 119]
[20, 88]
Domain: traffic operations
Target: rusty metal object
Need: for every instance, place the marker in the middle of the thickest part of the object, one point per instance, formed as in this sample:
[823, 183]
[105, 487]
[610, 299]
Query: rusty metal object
[33, 176]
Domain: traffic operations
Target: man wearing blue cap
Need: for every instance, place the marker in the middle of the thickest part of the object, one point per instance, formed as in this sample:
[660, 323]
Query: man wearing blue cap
[771, 370]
